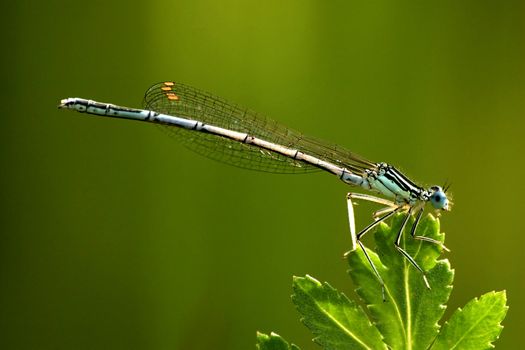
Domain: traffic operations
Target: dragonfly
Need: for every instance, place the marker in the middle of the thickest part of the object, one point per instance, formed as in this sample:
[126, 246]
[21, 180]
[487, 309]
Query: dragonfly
[223, 131]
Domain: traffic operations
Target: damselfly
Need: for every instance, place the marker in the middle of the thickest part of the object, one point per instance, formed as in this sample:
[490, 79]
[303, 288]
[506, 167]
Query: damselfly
[229, 133]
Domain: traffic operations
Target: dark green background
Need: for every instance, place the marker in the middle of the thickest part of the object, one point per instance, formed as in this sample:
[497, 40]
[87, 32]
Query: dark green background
[113, 236]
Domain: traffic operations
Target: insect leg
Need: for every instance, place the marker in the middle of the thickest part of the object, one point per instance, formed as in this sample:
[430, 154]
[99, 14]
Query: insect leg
[405, 254]
[356, 238]
[423, 238]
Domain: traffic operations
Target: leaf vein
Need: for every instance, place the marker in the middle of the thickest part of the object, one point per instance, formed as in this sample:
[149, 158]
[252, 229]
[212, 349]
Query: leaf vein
[341, 326]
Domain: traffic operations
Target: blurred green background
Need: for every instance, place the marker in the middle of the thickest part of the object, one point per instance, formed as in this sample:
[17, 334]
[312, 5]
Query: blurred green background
[113, 236]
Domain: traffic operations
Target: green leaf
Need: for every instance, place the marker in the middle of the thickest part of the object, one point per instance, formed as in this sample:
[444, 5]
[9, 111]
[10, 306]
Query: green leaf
[337, 322]
[408, 319]
[475, 326]
[273, 342]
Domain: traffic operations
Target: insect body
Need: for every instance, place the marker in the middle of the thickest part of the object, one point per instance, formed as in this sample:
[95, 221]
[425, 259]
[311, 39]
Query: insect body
[223, 131]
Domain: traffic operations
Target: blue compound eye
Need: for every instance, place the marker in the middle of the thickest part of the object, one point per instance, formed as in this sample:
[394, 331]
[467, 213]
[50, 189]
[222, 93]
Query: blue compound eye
[439, 199]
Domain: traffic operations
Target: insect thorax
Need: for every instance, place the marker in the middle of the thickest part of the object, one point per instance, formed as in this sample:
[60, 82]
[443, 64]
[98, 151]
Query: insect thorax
[390, 182]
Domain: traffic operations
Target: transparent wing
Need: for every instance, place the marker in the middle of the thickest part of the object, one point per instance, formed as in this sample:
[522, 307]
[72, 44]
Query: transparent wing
[186, 102]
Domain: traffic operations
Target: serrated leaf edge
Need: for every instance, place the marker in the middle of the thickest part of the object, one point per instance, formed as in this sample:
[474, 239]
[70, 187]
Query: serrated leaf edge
[406, 322]
[476, 300]
[346, 299]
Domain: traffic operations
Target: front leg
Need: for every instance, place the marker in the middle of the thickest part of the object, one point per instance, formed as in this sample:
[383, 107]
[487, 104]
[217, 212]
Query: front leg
[423, 238]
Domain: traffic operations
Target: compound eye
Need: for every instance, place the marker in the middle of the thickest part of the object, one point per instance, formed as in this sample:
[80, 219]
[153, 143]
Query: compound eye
[439, 200]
